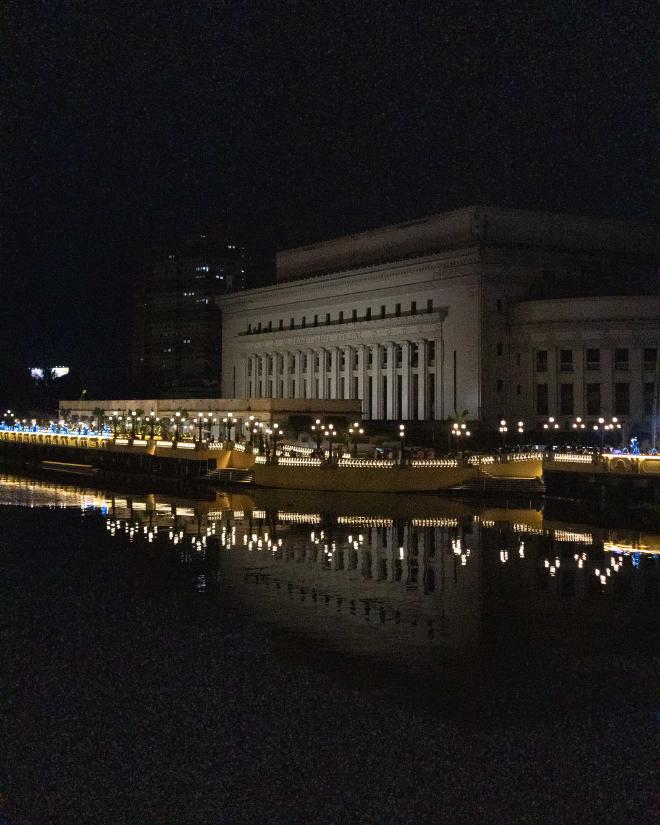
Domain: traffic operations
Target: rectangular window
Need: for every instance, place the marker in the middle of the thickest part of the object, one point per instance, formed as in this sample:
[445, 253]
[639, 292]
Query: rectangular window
[270, 326]
[327, 318]
[593, 359]
[413, 307]
[398, 349]
[565, 360]
[341, 317]
[397, 310]
[593, 399]
[622, 398]
[621, 359]
[541, 399]
[383, 358]
[303, 324]
[650, 357]
[431, 352]
[368, 314]
[354, 315]
[649, 397]
[382, 311]
[566, 399]
[429, 305]
[541, 360]
[370, 357]
[281, 323]
[316, 320]
[414, 355]
[291, 324]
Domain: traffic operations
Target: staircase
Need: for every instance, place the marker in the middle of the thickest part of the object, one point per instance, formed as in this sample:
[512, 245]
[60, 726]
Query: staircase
[231, 475]
[499, 485]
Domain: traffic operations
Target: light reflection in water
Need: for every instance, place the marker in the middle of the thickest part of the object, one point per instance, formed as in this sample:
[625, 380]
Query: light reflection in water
[425, 577]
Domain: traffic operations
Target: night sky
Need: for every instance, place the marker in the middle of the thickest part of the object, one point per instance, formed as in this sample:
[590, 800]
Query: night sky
[126, 123]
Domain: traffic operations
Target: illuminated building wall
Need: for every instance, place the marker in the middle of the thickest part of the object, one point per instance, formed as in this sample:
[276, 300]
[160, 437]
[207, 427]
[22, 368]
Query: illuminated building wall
[417, 320]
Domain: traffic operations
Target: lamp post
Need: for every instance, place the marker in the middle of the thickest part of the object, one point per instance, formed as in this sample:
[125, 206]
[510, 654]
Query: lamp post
[578, 425]
[317, 433]
[250, 429]
[503, 431]
[330, 433]
[177, 423]
[551, 424]
[355, 431]
[459, 431]
[521, 430]
[604, 426]
[402, 443]
[229, 421]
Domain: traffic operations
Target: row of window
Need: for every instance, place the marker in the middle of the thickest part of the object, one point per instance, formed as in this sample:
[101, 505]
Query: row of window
[593, 403]
[592, 359]
[340, 319]
[316, 358]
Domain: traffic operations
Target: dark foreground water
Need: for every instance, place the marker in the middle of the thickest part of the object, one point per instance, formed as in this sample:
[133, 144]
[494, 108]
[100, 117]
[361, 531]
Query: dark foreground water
[316, 659]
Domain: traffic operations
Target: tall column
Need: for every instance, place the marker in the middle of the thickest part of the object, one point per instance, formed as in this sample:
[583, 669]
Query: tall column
[377, 400]
[323, 373]
[406, 381]
[275, 374]
[253, 390]
[348, 372]
[391, 406]
[441, 402]
[297, 373]
[310, 373]
[363, 380]
[334, 372]
[263, 372]
[286, 375]
[422, 379]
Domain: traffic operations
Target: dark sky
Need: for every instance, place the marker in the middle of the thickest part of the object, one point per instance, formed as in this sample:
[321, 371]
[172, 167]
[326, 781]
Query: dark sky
[130, 121]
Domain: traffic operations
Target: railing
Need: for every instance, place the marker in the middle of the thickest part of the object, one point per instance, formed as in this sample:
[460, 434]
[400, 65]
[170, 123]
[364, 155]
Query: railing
[366, 463]
[434, 462]
[572, 458]
[285, 461]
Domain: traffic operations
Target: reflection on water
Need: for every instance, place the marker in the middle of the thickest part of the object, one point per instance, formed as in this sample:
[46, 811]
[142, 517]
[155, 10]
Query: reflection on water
[389, 577]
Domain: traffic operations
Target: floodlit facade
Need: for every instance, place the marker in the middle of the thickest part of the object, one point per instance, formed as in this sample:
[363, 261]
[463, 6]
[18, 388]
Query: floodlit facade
[429, 318]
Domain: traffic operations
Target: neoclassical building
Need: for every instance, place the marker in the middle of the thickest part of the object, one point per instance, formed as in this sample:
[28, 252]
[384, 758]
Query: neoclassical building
[449, 313]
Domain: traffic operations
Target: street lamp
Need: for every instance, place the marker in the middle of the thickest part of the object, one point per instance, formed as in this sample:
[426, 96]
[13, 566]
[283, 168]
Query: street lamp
[402, 441]
[459, 431]
[503, 431]
[354, 432]
[330, 433]
[551, 424]
[177, 423]
[250, 429]
[229, 421]
[317, 433]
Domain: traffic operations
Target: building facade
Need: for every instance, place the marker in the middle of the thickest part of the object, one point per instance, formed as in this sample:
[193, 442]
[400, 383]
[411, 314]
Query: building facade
[177, 342]
[442, 316]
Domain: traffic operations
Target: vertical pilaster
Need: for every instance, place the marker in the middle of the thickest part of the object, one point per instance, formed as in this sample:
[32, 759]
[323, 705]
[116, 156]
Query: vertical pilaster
[348, 372]
[406, 381]
[392, 412]
[334, 372]
[363, 380]
[422, 379]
